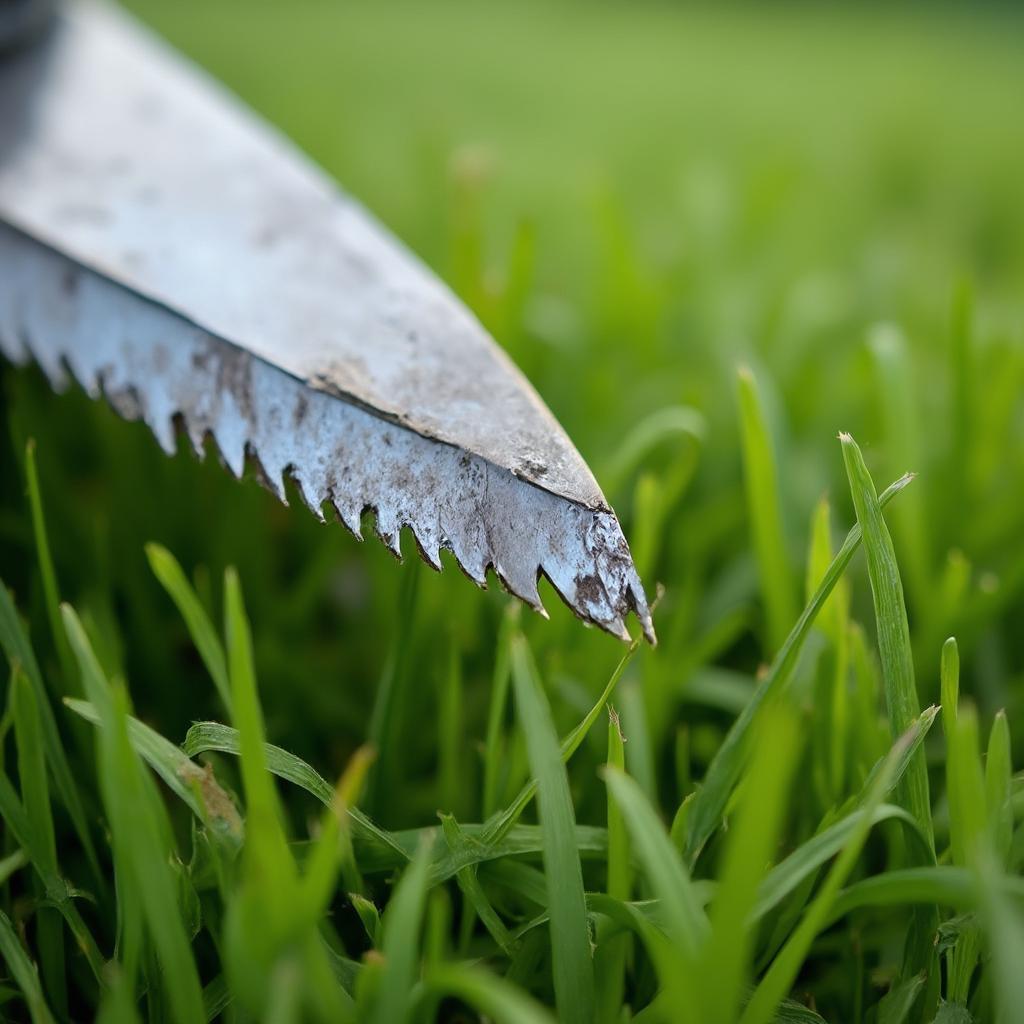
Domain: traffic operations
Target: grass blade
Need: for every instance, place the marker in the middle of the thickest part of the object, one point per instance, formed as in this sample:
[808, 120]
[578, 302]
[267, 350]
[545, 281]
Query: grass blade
[173, 579]
[780, 976]
[35, 797]
[706, 811]
[950, 692]
[665, 871]
[893, 631]
[140, 830]
[785, 877]
[1005, 927]
[488, 994]
[764, 514]
[672, 423]
[998, 782]
[725, 961]
[938, 885]
[51, 591]
[833, 621]
[187, 780]
[35, 793]
[24, 973]
[333, 843]
[205, 736]
[612, 951]
[570, 938]
[267, 846]
[401, 928]
[19, 651]
[497, 829]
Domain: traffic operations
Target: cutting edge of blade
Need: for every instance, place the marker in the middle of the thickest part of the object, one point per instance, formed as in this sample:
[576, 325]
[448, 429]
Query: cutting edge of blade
[78, 324]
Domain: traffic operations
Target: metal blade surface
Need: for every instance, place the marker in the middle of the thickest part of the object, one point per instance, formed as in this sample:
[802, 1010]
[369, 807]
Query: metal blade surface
[177, 255]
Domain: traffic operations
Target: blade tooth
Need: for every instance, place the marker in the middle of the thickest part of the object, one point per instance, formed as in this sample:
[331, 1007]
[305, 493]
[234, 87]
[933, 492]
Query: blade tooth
[165, 432]
[308, 497]
[520, 581]
[618, 628]
[272, 477]
[229, 437]
[503, 533]
[428, 542]
[388, 528]
[590, 566]
[350, 516]
[638, 601]
[312, 488]
[195, 431]
[473, 563]
[460, 497]
[473, 556]
[82, 369]
[311, 482]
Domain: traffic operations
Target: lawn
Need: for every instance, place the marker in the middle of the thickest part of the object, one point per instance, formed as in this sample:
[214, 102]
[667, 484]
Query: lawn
[761, 262]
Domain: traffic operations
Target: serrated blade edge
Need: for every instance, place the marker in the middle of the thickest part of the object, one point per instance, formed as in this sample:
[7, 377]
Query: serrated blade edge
[152, 364]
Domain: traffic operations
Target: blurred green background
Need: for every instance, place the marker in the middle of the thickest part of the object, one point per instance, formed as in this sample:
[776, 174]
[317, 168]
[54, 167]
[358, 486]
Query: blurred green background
[636, 199]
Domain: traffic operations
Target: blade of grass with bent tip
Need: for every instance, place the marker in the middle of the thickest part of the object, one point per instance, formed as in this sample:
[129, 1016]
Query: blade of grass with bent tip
[18, 650]
[400, 945]
[705, 813]
[671, 423]
[765, 515]
[173, 579]
[572, 966]
[187, 780]
[140, 830]
[779, 978]
[488, 994]
[939, 885]
[205, 736]
[24, 973]
[893, 631]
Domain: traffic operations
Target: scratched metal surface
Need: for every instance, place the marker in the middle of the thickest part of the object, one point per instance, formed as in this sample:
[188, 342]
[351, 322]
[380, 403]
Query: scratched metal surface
[178, 256]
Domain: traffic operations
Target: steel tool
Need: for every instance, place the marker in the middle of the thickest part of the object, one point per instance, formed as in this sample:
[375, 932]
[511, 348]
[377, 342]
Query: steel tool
[166, 249]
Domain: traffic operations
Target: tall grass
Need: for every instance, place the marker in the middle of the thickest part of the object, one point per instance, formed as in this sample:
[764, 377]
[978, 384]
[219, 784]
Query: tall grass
[250, 770]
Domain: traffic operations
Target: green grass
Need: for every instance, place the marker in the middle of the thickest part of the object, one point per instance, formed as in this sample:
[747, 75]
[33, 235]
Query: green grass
[252, 770]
